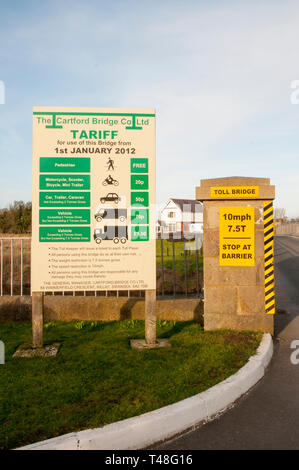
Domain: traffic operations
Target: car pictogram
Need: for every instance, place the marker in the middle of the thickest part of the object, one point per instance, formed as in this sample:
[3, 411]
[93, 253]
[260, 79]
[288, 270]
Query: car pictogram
[111, 197]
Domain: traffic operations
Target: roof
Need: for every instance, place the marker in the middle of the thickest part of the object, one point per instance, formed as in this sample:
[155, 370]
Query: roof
[191, 202]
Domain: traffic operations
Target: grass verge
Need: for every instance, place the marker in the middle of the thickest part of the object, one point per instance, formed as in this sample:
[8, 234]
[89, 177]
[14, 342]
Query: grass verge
[97, 379]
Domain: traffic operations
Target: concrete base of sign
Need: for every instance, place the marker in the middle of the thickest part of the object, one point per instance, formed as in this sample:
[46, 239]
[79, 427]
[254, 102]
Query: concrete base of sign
[27, 350]
[141, 344]
[145, 430]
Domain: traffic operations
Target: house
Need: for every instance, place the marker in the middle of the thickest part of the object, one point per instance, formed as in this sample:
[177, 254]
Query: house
[183, 216]
[158, 227]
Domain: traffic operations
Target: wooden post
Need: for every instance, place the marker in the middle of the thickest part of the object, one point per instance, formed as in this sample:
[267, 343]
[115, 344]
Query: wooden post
[37, 319]
[150, 316]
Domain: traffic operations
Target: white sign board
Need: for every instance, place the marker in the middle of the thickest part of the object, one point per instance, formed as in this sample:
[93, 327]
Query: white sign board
[93, 214]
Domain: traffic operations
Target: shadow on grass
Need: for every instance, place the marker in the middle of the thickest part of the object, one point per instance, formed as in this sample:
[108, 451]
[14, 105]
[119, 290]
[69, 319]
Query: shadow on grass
[176, 328]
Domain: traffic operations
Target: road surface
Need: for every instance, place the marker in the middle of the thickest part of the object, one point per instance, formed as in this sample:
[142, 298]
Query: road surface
[268, 416]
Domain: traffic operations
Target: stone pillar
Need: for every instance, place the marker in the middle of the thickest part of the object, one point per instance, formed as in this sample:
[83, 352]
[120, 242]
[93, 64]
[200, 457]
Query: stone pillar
[234, 255]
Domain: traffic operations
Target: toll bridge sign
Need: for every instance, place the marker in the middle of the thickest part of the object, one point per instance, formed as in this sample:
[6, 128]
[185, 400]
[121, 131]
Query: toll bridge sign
[236, 236]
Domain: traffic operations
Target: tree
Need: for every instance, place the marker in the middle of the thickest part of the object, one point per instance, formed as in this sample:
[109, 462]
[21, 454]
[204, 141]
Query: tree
[17, 218]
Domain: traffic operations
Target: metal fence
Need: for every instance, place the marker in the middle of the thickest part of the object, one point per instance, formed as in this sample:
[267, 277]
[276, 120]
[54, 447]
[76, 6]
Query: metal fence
[15, 266]
[179, 269]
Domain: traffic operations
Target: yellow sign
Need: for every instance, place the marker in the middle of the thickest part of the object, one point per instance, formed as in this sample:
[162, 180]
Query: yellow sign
[236, 236]
[234, 192]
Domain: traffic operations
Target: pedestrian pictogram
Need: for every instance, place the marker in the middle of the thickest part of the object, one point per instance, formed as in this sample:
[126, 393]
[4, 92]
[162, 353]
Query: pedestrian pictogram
[110, 164]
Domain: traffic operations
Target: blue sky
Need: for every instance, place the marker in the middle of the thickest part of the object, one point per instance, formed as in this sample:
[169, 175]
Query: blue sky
[218, 73]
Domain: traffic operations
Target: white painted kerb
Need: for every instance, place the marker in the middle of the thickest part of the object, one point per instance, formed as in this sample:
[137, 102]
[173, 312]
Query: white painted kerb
[149, 428]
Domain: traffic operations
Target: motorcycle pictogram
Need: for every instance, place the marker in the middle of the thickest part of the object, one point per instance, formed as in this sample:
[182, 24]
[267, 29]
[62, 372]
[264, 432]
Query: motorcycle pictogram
[110, 180]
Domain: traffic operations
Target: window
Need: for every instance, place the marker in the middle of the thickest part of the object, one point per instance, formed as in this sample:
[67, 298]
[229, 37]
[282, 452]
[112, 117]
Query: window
[171, 215]
[171, 228]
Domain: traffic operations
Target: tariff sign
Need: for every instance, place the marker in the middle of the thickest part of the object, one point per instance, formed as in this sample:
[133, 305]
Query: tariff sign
[236, 236]
[93, 201]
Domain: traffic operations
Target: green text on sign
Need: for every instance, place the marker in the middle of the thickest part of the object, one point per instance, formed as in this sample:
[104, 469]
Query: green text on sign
[139, 216]
[52, 182]
[64, 199]
[64, 217]
[64, 234]
[64, 165]
[139, 165]
[140, 233]
[139, 181]
[139, 199]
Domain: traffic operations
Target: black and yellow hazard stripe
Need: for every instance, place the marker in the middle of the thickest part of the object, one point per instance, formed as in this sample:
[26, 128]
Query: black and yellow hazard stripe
[269, 257]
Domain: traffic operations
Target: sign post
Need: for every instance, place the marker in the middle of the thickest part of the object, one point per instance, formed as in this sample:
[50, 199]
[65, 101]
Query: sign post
[150, 317]
[238, 253]
[93, 204]
[37, 319]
